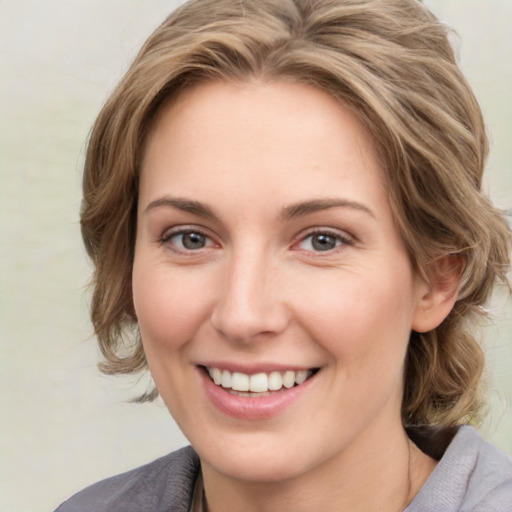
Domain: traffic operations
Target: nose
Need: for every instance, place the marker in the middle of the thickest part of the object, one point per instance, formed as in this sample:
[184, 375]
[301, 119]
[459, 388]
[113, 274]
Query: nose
[250, 304]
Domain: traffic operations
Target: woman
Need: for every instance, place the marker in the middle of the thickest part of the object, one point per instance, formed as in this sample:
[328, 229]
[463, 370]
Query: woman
[282, 200]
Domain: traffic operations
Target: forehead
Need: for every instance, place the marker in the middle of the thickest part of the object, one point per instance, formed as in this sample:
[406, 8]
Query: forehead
[231, 130]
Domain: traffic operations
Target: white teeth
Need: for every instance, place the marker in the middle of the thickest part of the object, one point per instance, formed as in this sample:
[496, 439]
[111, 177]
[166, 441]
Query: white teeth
[258, 382]
[217, 376]
[289, 379]
[240, 381]
[301, 376]
[275, 381]
[226, 379]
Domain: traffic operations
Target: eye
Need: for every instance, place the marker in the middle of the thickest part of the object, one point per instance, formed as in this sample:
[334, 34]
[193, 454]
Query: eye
[322, 241]
[187, 240]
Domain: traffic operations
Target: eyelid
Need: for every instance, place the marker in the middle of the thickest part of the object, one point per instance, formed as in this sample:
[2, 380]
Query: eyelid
[345, 238]
[184, 229]
[177, 230]
[342, 236]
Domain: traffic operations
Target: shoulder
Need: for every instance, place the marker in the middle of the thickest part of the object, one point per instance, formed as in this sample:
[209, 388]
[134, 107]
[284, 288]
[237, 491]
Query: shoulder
[490, 483]
[472, 476]
[165, 484]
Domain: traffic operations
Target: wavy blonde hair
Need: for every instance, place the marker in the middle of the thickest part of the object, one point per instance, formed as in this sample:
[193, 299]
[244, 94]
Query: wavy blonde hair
[391, 62]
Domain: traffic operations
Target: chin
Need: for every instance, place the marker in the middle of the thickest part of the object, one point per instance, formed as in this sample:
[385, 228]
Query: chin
[259, 461]
[262, 470]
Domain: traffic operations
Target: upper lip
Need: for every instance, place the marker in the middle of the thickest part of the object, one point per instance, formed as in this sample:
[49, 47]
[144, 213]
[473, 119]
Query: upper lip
[254, 368]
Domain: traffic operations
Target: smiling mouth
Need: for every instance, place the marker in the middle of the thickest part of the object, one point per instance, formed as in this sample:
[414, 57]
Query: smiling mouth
[258, 384]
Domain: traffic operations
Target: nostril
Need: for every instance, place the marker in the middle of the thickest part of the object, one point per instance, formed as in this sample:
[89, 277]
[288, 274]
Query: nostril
[243, 325]
[249, 305]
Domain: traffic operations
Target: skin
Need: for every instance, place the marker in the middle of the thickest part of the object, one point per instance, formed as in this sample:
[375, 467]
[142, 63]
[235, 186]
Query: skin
[259, 292]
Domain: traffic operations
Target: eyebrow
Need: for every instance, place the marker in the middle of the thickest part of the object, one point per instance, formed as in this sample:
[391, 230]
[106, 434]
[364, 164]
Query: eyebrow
[303, 208]
[299, 209]
[185, 205]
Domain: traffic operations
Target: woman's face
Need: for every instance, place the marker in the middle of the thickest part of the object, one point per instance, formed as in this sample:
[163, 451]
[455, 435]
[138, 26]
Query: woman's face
[266, 254]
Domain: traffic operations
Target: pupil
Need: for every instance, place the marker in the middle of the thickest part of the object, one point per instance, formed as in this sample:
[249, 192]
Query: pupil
[193, 240]
[323, 242]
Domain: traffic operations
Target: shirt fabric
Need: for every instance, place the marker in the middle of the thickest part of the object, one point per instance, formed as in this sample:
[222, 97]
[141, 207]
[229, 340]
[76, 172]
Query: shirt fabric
[471, 476]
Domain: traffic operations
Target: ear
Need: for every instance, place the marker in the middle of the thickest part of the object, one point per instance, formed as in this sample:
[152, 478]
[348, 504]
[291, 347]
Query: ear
[437, 296]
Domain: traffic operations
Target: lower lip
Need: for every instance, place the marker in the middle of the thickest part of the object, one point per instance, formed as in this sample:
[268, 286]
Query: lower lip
[253, 408]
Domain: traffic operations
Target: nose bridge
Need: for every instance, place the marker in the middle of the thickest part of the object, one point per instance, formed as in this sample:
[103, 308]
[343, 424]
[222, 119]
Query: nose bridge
[249, 302]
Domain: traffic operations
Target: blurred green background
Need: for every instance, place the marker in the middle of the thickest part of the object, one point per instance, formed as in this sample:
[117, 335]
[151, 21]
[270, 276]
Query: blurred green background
[63, 425]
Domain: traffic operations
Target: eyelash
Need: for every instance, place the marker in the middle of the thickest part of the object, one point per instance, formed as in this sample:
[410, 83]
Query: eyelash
[340, 238]
[181, 231]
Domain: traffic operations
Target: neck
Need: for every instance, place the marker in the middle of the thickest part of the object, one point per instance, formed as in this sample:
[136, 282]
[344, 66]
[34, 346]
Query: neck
[376, 473]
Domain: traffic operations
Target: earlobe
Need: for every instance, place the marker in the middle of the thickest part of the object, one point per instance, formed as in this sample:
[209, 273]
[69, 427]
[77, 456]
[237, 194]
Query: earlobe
[437, 297]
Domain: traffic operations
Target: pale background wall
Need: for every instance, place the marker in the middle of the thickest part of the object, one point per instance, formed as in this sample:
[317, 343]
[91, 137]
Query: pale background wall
[63, 425]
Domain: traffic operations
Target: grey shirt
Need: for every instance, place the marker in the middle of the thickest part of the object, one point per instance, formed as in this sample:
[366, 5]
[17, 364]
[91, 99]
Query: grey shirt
[472, 476]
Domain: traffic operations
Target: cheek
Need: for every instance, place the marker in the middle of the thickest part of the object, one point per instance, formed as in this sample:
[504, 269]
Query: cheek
[168, 310]
[168, 313]
[362, 317]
